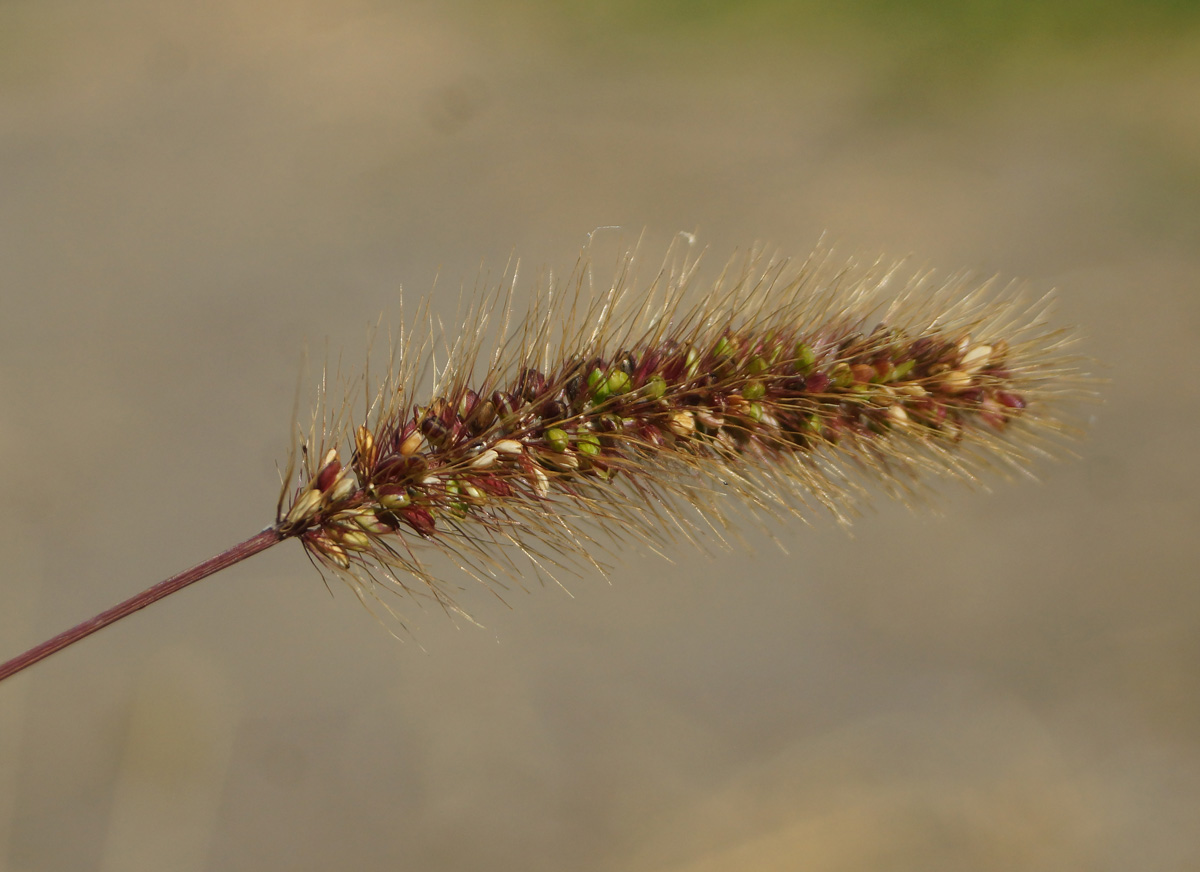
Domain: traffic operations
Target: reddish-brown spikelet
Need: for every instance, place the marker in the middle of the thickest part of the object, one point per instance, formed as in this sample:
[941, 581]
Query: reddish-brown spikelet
[637, 409]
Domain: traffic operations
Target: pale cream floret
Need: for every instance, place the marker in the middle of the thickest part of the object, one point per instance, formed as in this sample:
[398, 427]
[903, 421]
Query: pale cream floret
[976, 359]
[509, 446]
[305, 506]
[682, 423]
[412, 442]
[345, 485]
[541, 482]
[484, 459]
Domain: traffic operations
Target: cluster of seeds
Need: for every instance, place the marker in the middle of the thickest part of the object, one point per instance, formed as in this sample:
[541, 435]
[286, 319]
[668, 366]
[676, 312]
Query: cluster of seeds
[766, 398]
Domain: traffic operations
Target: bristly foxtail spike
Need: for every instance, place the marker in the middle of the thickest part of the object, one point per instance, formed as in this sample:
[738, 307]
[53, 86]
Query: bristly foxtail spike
[640, 410]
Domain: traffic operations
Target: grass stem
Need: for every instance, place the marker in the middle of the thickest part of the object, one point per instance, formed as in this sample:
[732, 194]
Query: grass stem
[224, 560]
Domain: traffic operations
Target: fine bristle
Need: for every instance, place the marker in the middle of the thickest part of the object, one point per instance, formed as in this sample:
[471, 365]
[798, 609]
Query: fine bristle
[652, 411]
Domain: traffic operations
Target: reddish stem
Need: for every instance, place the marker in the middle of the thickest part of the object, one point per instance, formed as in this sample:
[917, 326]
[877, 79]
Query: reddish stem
[225, 559]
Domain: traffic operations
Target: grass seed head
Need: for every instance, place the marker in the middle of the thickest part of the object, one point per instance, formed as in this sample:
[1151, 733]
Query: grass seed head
[783, 386]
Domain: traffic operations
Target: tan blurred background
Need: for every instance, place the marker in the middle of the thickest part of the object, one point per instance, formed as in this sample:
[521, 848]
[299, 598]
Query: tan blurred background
[193, 193]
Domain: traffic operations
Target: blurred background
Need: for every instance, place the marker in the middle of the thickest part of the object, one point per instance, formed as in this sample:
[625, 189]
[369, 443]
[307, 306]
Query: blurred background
[195, 193]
